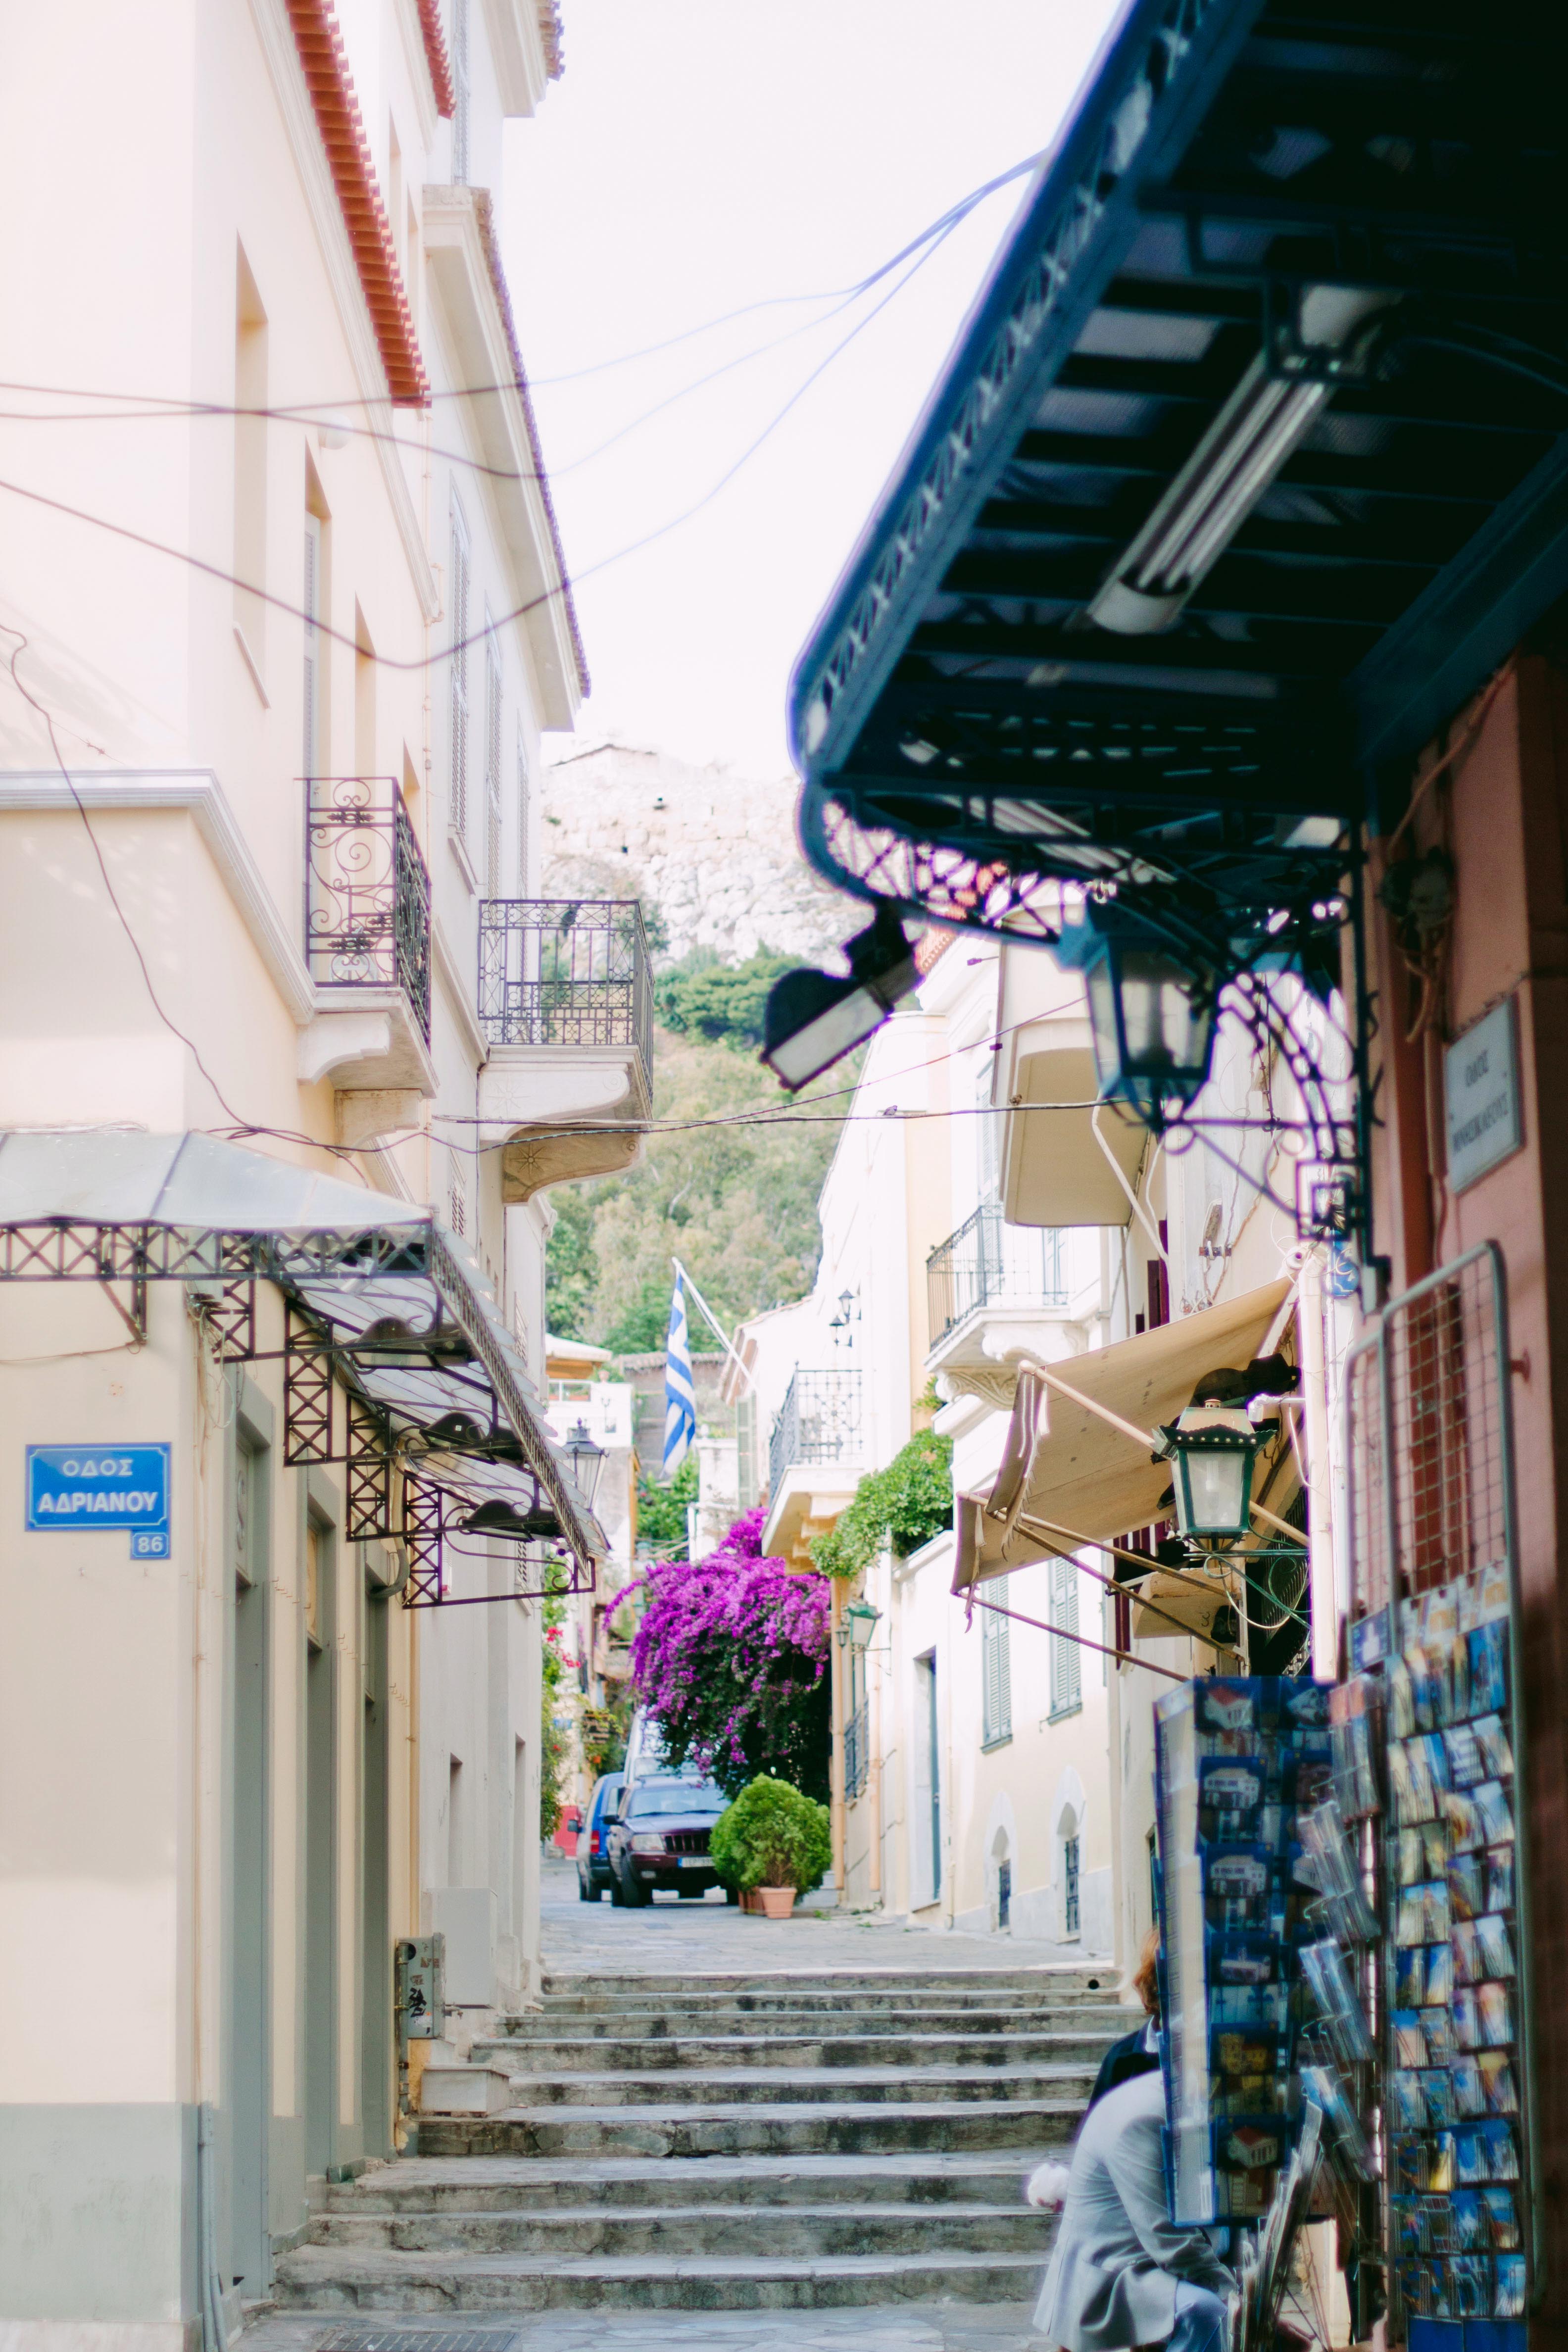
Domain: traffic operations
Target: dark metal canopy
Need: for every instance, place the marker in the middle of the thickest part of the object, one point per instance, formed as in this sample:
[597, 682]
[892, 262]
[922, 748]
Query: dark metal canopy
[965, 729]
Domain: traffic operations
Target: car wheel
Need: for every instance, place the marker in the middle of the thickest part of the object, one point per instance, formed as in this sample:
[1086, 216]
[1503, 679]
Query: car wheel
[584, 1892]
[616, 1897]
[638, 1893]
[732, 1895]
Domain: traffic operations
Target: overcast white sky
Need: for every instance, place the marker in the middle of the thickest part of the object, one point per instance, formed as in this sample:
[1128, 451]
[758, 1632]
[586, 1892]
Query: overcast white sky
[700, 155]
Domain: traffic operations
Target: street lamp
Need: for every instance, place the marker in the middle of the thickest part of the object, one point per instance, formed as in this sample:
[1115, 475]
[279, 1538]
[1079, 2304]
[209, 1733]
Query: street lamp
[1151, 1016]
[812, 1020]
[863, 1621]
[1213, 1449]
[587, 1460]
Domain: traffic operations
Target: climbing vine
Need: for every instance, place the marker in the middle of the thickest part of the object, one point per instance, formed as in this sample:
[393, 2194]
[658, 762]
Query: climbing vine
[904, 1505]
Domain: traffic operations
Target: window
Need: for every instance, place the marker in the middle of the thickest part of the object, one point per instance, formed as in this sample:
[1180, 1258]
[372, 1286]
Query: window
[311, 607]
[745, 1446]
[460, 89]
[455, 1820]
[522, 795]
[244, 1513]
[987, 1138]
[492, 761]
[1067, 1663]
[250, 467]
[997, 1668]
[1070, 1885]
[457, 807]
[315, 1545]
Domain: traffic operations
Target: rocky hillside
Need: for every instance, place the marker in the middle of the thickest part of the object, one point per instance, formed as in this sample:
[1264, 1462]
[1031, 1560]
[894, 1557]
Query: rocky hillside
[714, 852]
[714, 860]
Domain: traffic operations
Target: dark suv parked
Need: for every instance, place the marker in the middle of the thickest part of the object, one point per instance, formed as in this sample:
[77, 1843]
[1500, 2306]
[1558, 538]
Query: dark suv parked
[661, 1839]
[594, 1876]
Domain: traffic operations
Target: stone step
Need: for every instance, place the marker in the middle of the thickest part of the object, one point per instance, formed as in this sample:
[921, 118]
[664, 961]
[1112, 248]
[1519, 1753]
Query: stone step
[505, 2184]
[988, 1987]
[324, 2279]
[812, 2232]
[780, 2128]
[676, 2023]
[731, 2087]
[705, 2054]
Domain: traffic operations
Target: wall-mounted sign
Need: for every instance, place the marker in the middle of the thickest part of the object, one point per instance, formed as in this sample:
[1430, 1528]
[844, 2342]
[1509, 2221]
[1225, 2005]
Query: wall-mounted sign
[1480, 1087]
[95, 1489]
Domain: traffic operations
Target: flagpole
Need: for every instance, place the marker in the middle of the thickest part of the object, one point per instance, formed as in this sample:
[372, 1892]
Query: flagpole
[713, 1322]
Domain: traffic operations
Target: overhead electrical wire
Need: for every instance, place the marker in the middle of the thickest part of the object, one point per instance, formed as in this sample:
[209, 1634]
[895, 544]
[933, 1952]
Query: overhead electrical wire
[149, 407]
[323, 629]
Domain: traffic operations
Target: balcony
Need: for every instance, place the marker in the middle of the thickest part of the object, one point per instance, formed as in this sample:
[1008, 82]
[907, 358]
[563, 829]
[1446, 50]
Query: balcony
[565, 1004]
[367, 945]
[994, 1289]
[816, 1456]
[986, 1260]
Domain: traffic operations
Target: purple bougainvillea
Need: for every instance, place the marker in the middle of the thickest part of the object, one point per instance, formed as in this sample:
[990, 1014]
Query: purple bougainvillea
[730, 1658]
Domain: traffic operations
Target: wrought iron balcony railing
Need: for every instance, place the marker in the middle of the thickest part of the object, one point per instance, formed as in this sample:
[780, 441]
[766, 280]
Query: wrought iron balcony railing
[566, 971]
[819, 1421]
[367, 892]
[987, 1261]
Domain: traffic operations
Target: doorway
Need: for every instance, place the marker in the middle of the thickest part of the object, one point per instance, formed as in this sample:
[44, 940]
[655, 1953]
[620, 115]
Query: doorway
[926, 1812]
[250, 2243]
[376, 2052]
[320, 1851]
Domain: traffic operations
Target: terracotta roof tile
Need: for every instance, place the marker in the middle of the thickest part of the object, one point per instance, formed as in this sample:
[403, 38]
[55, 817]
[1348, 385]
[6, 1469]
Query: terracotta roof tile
[331, 84]
[436, 58]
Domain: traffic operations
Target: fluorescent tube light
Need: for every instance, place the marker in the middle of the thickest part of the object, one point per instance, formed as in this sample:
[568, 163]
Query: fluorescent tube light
[1264, 421]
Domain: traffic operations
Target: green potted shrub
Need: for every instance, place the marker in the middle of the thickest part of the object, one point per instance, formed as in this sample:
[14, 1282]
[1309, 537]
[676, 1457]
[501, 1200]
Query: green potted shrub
[771, 1842]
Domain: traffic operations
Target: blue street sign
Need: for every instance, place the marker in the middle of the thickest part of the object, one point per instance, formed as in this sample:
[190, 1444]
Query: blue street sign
[98, 1488]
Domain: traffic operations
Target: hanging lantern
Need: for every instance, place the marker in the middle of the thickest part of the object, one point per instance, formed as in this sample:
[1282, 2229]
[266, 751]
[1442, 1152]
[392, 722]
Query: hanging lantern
[1212, 1450]
[1151, 1015]
[863, 1621]
[587, 1460]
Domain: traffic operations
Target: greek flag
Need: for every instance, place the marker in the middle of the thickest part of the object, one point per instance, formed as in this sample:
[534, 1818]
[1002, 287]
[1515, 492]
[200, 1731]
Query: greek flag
[680, 1397]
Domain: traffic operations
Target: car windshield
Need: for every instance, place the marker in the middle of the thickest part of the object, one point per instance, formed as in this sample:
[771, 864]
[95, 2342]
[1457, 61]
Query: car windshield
[675, 1797]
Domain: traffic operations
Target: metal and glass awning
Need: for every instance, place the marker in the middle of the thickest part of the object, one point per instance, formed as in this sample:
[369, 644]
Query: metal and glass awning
[397, 1363]
[1250, 464]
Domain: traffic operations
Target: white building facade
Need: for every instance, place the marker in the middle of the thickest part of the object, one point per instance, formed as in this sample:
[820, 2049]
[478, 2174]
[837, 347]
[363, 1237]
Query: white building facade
[971, 1771]
[285, 617]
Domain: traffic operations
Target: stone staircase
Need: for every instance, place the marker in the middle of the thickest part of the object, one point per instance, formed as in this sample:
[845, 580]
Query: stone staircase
[732, 2143]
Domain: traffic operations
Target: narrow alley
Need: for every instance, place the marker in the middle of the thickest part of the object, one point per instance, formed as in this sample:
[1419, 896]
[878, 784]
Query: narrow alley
[728, 2116]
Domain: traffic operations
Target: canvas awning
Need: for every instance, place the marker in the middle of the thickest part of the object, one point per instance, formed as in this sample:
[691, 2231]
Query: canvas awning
[1064, 1465]
[402, 1307]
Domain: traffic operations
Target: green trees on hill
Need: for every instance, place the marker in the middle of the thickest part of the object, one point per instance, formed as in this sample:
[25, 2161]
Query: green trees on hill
[728, 1182]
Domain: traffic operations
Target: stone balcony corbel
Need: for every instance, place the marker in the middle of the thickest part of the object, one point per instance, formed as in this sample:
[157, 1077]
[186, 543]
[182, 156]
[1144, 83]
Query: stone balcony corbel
[560, 1112]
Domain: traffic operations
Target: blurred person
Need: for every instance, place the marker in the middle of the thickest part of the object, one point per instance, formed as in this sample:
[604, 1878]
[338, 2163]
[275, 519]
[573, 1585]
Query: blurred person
[1137, 2052]
[1123, 2273]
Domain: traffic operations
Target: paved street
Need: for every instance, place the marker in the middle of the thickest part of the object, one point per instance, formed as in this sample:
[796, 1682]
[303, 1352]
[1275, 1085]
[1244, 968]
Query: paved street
[711, 1934]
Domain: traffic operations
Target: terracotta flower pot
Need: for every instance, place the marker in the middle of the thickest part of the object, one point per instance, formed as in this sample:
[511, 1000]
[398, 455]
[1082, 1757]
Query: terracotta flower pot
[777, 1902]
[748, 1900]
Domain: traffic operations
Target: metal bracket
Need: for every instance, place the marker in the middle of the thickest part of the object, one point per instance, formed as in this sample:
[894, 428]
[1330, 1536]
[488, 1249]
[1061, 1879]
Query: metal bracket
[423, 1527]
[307, 1391]
[369, 1467]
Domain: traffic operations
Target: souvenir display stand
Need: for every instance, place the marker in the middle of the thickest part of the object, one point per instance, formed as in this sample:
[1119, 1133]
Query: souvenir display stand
[1263, 1911]
[1428, 1736]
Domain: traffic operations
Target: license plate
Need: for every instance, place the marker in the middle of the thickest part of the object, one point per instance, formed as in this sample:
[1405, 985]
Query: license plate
[694, 1862]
